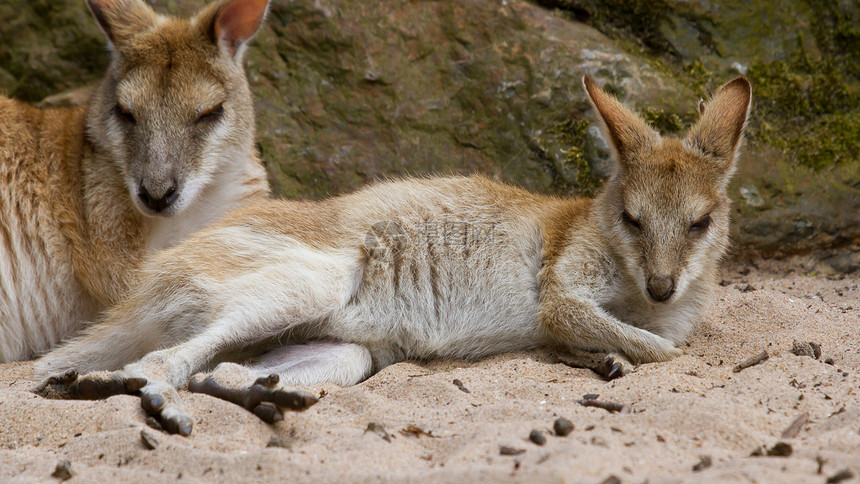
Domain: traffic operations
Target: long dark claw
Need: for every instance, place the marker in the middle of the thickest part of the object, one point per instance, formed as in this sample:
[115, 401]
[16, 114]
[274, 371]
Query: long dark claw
[612, 369]
[152, 403]
[293, 400]
[270, 381]
[268, 413]
[181, 425]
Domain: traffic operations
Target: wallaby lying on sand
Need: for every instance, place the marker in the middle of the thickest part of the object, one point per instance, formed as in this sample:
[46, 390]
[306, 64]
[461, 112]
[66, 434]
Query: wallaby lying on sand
[426, 268]
[164, 147]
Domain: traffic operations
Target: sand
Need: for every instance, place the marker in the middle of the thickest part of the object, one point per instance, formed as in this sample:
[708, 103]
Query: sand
[682, 413]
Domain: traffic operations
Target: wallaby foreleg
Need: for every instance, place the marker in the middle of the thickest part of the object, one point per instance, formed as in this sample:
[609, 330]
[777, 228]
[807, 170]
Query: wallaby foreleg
[582, 325]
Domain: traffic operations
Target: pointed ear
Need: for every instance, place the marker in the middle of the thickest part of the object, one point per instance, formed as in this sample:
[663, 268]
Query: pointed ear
[720, 128]
[230, 24]
[625, 131]
[122, 19]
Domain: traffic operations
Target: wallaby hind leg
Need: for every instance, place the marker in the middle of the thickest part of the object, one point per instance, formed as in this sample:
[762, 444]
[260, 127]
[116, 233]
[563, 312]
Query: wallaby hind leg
[303, 287]
[260, 387]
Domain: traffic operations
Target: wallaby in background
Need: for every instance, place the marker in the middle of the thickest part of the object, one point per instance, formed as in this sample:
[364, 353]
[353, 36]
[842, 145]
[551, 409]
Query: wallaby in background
[164, 147]
[426, 268]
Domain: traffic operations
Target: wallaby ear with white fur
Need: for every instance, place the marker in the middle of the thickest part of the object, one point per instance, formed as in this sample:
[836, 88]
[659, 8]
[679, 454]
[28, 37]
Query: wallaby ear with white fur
[720, 128]
[624, 130]
[231, 24]
[122, 19]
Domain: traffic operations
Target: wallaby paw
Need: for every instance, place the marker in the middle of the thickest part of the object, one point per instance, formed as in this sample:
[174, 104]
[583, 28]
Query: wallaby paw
[614, 366]
[266, 397]
[608, 365]
[663, 350]
[69, 385]
[161, 400]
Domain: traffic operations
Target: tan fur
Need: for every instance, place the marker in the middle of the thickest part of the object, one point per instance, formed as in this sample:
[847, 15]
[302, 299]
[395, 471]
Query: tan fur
[440, 267]
[73, 228]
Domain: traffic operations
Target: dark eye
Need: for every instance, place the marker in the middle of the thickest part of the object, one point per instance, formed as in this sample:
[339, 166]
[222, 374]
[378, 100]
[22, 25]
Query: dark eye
[212, 114]
[702, 224]
[629, 220]
[123, 113]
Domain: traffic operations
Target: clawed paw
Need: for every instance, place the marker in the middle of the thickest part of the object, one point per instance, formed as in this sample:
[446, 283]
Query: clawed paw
[265, 398]
[614, 366]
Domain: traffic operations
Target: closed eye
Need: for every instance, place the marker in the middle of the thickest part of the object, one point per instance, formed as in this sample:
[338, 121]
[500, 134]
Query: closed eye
[629, 220]
[212, 114]
[701, 224]
[123, 113]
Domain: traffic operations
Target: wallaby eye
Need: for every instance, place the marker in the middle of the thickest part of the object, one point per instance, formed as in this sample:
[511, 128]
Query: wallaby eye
[123, 113]
[701, 224]
[212, 114]
[629, 220]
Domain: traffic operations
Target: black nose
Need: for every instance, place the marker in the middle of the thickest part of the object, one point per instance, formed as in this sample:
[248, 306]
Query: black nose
[156, 203]
[661, 288]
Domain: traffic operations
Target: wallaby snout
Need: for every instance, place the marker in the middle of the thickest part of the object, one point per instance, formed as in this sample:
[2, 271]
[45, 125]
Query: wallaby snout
[661, 288]
[159, 197]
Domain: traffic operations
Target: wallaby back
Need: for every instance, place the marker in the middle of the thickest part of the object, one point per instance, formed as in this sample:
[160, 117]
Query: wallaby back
[164, 147]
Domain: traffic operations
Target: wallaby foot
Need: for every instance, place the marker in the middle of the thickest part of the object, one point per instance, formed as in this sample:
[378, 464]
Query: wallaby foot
[266, 397]
[69, 385]
[157, 398]
[608, 365]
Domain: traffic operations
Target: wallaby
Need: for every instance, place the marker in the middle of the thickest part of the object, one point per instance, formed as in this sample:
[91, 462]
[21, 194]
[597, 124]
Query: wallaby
[164, 147]
[426, 268]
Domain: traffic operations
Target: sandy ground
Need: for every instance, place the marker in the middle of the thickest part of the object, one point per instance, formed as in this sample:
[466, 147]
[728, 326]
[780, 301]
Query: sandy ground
[682, 413]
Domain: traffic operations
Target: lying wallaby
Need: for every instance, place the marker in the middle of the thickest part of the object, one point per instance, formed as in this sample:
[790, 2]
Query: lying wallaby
[427, 268]
[164, 147]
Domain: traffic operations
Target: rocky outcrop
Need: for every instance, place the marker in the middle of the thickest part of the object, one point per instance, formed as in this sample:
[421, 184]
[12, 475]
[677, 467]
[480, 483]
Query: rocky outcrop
[351, 91]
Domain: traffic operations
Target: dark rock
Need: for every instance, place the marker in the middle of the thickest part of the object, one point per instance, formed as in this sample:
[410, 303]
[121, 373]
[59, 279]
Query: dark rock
[537, 437]
[63, 471]
[505, 450]
[705, 461]
[562, 427]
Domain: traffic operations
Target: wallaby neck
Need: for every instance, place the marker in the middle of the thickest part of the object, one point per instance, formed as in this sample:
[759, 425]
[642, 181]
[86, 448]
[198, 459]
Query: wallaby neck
[241, 178]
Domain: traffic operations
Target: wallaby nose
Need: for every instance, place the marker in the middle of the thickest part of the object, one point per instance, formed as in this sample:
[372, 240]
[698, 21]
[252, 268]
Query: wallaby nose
[661, 288]
[155, 202]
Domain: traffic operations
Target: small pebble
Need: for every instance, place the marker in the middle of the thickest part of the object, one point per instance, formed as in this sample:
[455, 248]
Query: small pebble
[840, 476]
[705, 461]
[780, 449]
[562, 427]
[460, 385]
[63, 471]
[505, 450]
[537, 437]
[149, 441]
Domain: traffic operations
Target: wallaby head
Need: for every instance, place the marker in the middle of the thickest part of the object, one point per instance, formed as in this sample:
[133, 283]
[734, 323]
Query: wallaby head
[175, 105]
[665, 209]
